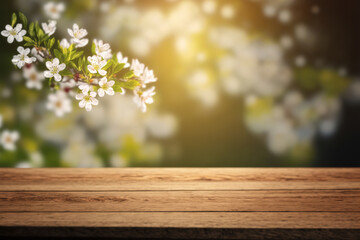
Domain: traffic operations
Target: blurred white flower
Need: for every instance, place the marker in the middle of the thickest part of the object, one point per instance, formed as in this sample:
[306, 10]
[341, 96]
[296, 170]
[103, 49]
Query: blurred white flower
[36, 54]
[117, 160]
[78, 35]
[201, 86]
[161, 125]
[96, 65]
[284, 16]
[54, 67]
[143, 98]
[106, 87]
[269, 10]
[49, 28]
[286, 42]
[281, 137]
[67, 85]
[22, 58]
[122, 59]
[13, 33]
[33, 77]
[300, 61]
[137, 67]
[8, 139]
[59, 103]
[227, 11]
[53, 10]
[209, 6]
[102, 49]
[87, 99]
[64, 43]
[147, 77]
[23, 164]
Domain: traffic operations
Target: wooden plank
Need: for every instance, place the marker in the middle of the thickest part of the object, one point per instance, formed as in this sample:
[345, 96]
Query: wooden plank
[226, 201]
[177, 179]
[263, 220]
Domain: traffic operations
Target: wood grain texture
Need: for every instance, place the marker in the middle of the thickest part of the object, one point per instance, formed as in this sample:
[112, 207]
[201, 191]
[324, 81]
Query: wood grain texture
[186, 220]
[185, 201]
[60, 179]
[229, 203]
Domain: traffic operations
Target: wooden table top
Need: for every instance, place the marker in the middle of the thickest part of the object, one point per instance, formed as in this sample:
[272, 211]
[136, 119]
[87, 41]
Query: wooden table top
[195, 203]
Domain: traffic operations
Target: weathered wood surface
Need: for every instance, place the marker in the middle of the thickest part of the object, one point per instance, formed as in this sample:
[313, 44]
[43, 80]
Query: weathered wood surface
[229, 203]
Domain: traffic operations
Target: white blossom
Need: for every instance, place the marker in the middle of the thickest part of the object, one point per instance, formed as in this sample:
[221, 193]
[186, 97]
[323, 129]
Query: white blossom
[8, 139]
[106, 87]
[143, 98]
[59, 103]
[96, 65]
[87, 99]
[67, 84]
[281, 137]
[85, 88]
[64, 43]
[53, 10]
[147, 77]
[78, 35]
[33, 78]
[13, 33]
[36, 54]
[137, 67]
[49, 28]
[22, 58]
[54, 67]
[102, 49]
[122, 59]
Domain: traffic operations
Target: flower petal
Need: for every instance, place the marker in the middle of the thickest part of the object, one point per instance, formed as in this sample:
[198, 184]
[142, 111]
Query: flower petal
[102, 72]
[94, 101]
[5, 33]
[61, 67]
[48, 74]
[88, 107]
[57, 77]
[10, 39]
[91, 69]
[49, 65]
[82, 103]
[101, 92]
[55, 62]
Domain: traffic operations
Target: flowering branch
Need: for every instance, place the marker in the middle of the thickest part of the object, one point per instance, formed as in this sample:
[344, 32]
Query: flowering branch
[69, 71]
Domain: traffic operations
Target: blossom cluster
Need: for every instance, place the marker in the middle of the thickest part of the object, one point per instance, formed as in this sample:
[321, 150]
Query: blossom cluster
[71, 74]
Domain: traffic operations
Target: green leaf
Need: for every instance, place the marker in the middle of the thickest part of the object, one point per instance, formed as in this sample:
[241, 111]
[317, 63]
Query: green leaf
[74, 65]
[77, 55]
[58, 54]
[129, 74]
[31, 30]
[93, 48]
[51, 43]
[66, 72]
[28, 44]
[28, 39]
[131, 84]
[23, 19]
[13, 19]
[108, 64]
[118, 88]
[118, 68]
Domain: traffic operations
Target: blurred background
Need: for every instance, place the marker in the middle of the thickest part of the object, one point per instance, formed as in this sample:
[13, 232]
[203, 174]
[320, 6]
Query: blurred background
[260, 83]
